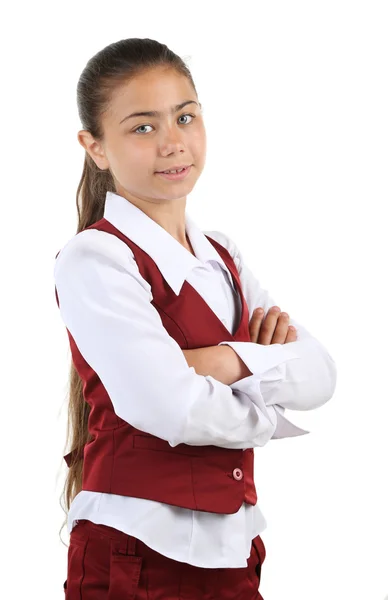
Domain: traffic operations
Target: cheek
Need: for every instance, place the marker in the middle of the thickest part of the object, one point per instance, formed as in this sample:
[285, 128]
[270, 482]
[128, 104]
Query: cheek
[137, 157]
[199, 143]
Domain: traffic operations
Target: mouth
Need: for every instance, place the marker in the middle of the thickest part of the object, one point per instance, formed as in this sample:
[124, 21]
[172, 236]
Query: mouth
[175, 176]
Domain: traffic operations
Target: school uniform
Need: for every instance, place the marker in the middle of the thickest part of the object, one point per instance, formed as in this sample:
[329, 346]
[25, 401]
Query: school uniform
[168, 478]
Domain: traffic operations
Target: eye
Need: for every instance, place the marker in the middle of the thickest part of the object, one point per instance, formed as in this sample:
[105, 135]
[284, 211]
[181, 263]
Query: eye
[185, 115]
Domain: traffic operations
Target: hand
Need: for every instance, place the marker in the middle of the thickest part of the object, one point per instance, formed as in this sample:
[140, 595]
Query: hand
[274, 329]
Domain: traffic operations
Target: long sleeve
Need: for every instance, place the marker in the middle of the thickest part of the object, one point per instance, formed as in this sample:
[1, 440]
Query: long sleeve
[106, 306]
[305, 383]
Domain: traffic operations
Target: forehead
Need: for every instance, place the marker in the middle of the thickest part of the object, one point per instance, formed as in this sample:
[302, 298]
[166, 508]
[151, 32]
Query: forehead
[155, 89]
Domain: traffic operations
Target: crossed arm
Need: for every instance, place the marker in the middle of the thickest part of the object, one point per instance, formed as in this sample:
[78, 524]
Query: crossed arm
[221, 362]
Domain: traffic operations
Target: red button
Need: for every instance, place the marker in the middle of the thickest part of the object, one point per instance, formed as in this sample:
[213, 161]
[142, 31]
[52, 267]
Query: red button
[237, 474]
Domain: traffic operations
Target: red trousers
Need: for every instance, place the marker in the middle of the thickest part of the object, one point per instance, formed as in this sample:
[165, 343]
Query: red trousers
[107, 564]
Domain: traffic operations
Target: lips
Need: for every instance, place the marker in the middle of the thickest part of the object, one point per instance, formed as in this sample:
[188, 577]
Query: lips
[174, 169]
[179, 176]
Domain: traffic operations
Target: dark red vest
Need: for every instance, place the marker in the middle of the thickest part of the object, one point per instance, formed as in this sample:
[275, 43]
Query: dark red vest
[121, 459]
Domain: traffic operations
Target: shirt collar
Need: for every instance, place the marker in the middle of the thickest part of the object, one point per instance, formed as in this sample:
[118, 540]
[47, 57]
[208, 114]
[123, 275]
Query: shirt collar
[173, 260]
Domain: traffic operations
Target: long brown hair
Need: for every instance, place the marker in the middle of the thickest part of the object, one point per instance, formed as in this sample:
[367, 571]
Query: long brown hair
[111, 67]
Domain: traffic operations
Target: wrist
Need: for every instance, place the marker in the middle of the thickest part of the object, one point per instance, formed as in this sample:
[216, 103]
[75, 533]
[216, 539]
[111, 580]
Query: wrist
[221, 362]
[231, 367]
[204, 360]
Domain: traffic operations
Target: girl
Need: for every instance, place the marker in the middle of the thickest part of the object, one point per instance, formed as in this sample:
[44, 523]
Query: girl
[175, 374]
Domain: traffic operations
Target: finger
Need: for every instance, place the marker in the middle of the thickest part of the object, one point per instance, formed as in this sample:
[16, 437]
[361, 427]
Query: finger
[280, 333]
[254, 324]
[268, 325]
[291, 335]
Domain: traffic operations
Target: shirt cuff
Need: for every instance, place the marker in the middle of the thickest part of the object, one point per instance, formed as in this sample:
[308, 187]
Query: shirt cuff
[260, 358]
[284, 427]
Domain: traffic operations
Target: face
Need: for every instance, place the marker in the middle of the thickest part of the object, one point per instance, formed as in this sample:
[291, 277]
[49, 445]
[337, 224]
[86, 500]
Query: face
[135, 148]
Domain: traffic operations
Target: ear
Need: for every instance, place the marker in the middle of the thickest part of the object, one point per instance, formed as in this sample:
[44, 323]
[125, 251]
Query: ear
[93, 148]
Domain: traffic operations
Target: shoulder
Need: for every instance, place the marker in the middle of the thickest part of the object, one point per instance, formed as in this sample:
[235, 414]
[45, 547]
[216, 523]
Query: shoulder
[94, 241]
[228, 243]
[98, 256]
[93, 249]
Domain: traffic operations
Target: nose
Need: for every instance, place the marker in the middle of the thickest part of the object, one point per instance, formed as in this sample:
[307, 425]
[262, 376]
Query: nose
[171, 141]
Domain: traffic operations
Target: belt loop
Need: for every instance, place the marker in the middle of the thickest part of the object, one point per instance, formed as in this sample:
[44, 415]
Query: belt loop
[125, 545]
[131, 544]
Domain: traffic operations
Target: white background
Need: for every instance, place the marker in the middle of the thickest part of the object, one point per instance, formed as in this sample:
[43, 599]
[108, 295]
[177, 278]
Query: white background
[295, 106]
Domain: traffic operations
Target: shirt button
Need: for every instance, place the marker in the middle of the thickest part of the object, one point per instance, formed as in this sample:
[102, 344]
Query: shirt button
[237, 474]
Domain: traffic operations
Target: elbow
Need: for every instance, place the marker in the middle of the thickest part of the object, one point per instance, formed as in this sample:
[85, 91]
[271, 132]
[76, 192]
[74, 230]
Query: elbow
[321, 386]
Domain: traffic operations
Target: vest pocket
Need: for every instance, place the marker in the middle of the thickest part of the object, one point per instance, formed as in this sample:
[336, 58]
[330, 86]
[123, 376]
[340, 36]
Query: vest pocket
[124, 576]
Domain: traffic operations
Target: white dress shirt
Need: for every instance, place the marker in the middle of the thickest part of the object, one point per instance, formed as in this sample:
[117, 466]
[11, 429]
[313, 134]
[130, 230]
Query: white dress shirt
[106, 305]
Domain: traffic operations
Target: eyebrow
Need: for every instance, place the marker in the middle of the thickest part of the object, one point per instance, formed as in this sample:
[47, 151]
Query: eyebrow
[156, 113]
